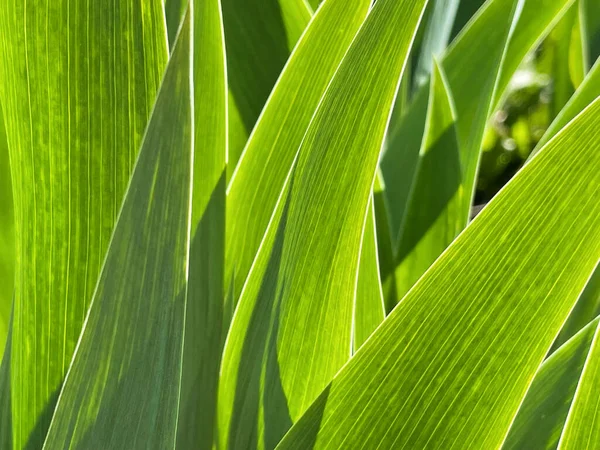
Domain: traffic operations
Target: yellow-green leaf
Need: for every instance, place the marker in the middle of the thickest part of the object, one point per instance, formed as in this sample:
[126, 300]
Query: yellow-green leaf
[7, 238]
[369, 309]
[434, 214]
[77, 86]
[293, 325]
[450, 365]
[544, 411]
[259, 178]
[582, 429]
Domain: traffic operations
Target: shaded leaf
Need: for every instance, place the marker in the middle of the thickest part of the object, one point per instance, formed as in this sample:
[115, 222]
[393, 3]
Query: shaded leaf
[582, 429]
[544, 411]
[434, 215]
[259, 35]
[369, 310]
[6, 441]
[261, 174]
[437, 36]
[283, 346]
[128, 358]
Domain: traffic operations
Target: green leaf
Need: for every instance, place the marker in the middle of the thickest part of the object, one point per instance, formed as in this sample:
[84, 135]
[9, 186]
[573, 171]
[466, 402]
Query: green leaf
[128, 359]
[369, 310]
[77, 86]
[6, 441]
[434, 214]
[466, 11]
[582, 429]
[385, 248]
[174, 12]
[560, 43]
[259, 36]
[452, 362]
[204, 318]
[436, 38]
[283, 346]
[544, 411]
[510, 34]
[537, 19]
[473, 93]
[587, 92]
[591, 27]
[257, 183]
[586, 309]
[7, 238]
[161, 274]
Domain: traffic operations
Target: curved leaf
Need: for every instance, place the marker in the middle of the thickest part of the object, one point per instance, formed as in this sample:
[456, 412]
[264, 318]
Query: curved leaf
[587, 92]
[544, 411]
[582, 429]
[292, 328]
[260, 176]
[442, 368]
[259, 34]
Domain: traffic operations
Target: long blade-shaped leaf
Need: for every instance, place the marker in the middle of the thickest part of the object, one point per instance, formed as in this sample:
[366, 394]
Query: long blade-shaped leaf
[586, 309]
[434, 211]
[128, 359]
[6, 441]
[283, 346]
[535, 20]
[544, 411]
[437, 35]
[7, 238]
[369, 310]
[77, 82]
[267, 161]
[205, 298]
[385, 248]
[473, 93]
[441, 371]
[582, 429]
[587, 92]
[591, 26]
[259, 34]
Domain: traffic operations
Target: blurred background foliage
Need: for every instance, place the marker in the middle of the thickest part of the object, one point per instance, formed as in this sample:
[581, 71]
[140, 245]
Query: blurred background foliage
[538, 91]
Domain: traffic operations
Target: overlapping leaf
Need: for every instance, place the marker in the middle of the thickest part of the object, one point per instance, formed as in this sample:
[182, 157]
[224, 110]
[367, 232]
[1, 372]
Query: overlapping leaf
[262, 172]
[259, 34]
[582, 428]
[7, 241]
[369, 309]
[452, 362]
[436, 38]
[292, 328]
[473, 93]
[163, 277]
[77, 87]
[542, 415]
[587, 92]
[128, 360]
[433, 216]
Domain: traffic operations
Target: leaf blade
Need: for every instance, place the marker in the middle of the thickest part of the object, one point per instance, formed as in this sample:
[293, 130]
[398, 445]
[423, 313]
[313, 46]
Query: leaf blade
[454, 375]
